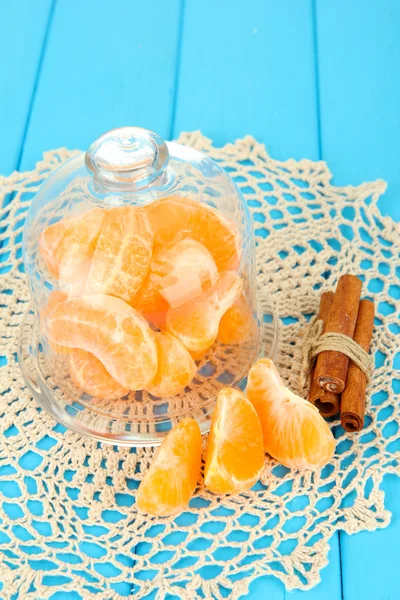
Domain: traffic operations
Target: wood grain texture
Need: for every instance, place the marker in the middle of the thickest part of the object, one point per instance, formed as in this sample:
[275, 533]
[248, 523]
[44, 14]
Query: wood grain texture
[249, 70]
[23, 28]
[358, 58]
[105, 65]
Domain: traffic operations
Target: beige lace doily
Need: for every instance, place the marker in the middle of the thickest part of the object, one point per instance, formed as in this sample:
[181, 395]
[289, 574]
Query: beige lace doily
[67, 505]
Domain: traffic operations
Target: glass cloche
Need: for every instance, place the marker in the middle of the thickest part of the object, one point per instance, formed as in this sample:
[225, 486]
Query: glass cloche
[141, 264]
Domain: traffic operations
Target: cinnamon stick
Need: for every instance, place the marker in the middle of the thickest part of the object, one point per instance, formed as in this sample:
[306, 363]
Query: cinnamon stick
[326, 402]
[353, 398]
[331, 366]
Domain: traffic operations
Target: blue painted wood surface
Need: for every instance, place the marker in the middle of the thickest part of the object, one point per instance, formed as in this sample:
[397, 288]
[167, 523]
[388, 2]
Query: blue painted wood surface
[316, 79]
[23, 30]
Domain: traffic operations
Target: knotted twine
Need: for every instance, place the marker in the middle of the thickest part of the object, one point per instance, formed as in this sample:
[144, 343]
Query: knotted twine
[315, 342]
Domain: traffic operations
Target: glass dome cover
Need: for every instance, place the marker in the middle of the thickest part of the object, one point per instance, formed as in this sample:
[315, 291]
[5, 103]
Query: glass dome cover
[141, 265]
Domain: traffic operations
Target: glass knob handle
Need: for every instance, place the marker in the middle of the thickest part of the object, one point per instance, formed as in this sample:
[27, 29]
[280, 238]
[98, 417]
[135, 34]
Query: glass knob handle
[128, 158]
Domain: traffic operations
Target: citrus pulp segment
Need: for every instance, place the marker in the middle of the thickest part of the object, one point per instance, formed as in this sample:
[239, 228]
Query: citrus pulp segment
[111, 330]
[55, 298]
[236, 324]
[295, 434]
[122, 254]
[168, 485]
[235, 455]
[149, 302]
[196, 323]
[176, 368]
[183, 271]
[89, 374]
[67, 246]
[175, 218]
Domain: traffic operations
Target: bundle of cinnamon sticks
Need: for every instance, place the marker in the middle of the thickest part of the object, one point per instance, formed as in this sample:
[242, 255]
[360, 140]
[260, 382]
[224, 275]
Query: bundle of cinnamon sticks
[337, 383]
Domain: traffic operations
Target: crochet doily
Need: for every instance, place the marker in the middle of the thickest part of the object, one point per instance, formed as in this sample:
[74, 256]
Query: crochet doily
[67, 504]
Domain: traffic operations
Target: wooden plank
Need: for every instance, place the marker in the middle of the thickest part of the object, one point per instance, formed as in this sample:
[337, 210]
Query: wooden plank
[105, 66]
[23, 27]
[359, 57]
[249, 69]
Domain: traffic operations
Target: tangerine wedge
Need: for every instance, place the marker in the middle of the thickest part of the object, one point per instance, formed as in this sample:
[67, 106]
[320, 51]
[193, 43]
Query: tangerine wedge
[88, 374]
[149, 302]
[196, 323]
[122, 255]
[174, 218]
[183, 271]
[171, 480]
[111, 330]
[199, 355]
[294, 432]
[176, 368]
[235, 455]
[55, 298]
[236, 324]
[67, 246]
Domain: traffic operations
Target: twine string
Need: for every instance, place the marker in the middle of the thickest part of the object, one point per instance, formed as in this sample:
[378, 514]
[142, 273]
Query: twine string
[315, 342]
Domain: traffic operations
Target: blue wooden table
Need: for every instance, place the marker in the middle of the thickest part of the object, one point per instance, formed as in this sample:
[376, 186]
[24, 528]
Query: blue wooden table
[314, 79]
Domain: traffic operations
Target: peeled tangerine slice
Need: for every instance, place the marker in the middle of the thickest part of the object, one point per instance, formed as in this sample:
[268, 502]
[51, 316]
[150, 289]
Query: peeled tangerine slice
[171, 480]
[176, 275]
[55, 298]
[111, 330]
[67, 246]
[174, 218]
[237, 323]
[176, 368]
[183, 271]
[150, 303]
[294, 432]
[88, 374]
[199, 355]
[123, 253]
[235, 455]
[196, 323]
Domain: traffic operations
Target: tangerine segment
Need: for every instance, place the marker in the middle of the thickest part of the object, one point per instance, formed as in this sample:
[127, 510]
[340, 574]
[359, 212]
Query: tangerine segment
[67, 246]
[199, 355]
[235, 455]
[88, 374]
[171, 480]
[150, 303]
[122, 255]
[174, 218]
[196, 323]
[183, 271]
[294, 432]
[237, 323]
[111, 330]
[55, 298]
[176, 368]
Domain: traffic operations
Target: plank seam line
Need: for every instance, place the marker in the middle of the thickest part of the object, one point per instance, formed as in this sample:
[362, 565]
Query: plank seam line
[177, 67]
[36, 82]
[340, 566]
[316, 74]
